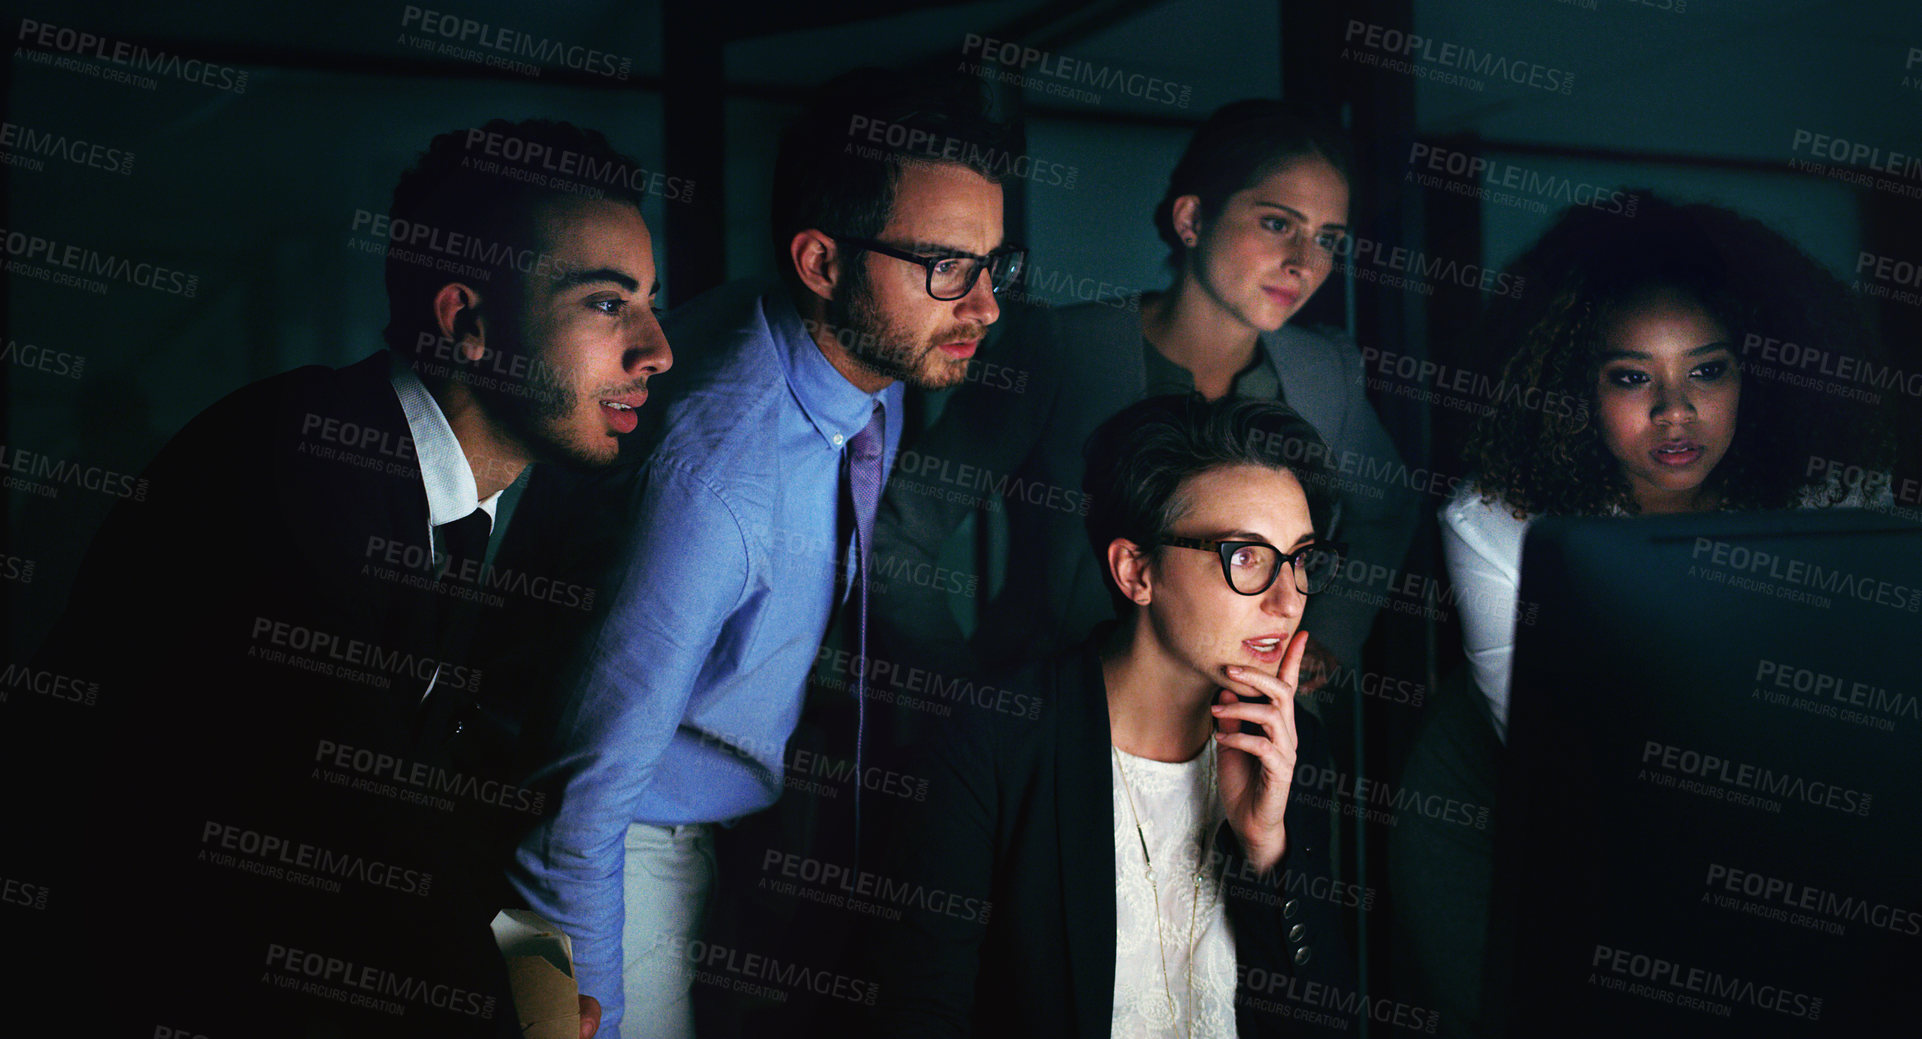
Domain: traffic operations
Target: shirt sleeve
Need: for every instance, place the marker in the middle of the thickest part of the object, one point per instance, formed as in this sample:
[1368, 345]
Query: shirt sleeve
[1269, 981]
[1378, 515]
[1482, 546]
[686, 574]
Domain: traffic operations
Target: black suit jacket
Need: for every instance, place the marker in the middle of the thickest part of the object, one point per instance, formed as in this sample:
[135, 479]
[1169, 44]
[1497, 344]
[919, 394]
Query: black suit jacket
[1008, 925]
[261, 620]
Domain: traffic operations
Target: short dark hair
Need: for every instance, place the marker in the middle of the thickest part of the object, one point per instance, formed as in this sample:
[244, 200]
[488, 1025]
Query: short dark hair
[1241, 143]
[484, 184]
[1138, 460]
[840, 161]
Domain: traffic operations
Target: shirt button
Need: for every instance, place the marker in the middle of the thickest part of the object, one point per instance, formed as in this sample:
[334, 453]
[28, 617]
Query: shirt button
[1301, 956]
[1290, 908]
[1297, 932]
[838, 438]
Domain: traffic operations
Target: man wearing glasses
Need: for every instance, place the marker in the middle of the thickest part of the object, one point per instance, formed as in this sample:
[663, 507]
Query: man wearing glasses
[751, 529]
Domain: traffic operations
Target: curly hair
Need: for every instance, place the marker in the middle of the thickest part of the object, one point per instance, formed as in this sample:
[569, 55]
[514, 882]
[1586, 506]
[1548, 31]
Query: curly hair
[1754, 282]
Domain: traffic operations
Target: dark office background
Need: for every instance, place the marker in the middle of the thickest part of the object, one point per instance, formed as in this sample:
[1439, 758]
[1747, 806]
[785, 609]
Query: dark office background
[254, 191]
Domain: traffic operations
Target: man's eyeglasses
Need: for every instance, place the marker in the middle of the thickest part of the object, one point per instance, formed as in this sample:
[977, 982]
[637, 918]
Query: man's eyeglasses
[1252, 566]
[951, 275]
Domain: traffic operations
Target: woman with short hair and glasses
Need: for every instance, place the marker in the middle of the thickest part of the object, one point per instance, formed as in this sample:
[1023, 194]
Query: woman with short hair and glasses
[1254, 216]
[1116, 840]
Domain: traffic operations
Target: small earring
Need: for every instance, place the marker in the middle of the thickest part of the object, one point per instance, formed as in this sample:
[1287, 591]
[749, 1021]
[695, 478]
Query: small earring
[1188, 240]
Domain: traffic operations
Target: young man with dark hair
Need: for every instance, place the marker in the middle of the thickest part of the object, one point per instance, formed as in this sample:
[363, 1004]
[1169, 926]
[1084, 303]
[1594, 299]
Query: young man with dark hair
[752, 524]
[293, 743]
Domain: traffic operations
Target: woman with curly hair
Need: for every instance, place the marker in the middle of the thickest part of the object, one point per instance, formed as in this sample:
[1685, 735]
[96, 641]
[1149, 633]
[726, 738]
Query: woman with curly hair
[1635, 371]
[1641, 392]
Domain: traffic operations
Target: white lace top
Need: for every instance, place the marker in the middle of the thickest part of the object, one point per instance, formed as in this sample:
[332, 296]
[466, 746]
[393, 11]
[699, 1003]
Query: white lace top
[1178, 809]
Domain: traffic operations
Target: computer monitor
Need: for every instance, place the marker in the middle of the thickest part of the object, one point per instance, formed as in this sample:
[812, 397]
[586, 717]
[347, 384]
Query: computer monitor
[1710, 820]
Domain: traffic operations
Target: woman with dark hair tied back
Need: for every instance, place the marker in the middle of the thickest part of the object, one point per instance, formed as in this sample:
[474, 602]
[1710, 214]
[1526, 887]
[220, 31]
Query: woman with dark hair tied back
[1633, 383]
[1123, 845]
[1253, 216]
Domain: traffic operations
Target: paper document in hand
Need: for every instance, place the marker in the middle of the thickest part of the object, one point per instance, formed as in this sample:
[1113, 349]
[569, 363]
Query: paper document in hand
[540, 969]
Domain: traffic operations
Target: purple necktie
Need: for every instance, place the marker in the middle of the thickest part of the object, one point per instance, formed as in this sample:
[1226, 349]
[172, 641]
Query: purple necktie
[865, 474]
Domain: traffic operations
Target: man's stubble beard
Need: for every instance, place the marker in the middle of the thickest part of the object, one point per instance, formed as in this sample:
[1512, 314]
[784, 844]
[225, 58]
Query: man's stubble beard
[537, 411]
[881, 347]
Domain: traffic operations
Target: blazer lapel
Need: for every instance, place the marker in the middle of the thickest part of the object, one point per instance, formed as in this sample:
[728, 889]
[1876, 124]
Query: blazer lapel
[1084, 792]
[1310, 383]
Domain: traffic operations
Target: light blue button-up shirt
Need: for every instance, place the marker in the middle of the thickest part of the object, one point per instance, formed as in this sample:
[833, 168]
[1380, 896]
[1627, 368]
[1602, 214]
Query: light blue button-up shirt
[737, 561]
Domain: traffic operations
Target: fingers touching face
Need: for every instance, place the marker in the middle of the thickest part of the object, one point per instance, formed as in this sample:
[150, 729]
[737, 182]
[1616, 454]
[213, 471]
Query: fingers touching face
[1198, 618]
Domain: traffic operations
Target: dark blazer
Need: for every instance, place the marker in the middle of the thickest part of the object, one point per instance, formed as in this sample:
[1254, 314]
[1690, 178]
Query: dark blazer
[1008, 918]
[1012, 441]
[260, 602]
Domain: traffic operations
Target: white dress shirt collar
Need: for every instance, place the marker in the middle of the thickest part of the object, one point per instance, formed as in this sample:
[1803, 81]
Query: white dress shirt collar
[449, 480]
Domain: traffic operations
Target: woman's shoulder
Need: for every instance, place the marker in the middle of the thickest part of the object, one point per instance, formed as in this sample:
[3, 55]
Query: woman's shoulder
[1483, 520]
[990, 736]
[1470, 506]
[1321, 350]
[1850, 489]
[1007, 708]
[1051, 346]
[1101, 320]
[1312, 340]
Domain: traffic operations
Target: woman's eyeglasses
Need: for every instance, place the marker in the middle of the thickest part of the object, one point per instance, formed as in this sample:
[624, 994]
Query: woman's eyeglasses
[1251, 567]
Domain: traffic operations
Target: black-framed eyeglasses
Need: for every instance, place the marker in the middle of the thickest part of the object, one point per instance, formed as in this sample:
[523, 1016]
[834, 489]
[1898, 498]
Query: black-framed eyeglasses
[1251, 567]
[951, 275]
